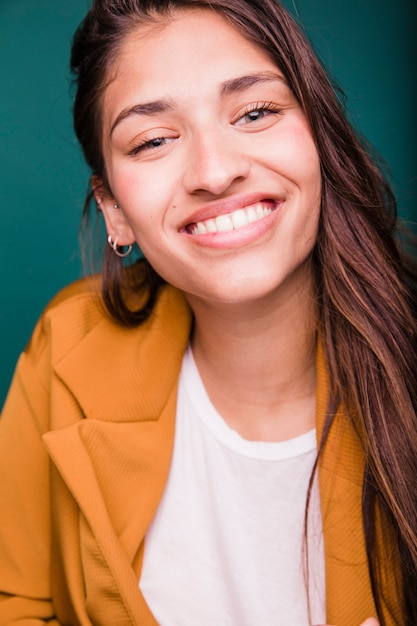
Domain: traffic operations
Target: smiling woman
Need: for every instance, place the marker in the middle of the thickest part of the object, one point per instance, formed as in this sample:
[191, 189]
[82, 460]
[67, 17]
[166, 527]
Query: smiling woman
[217, 155]
[223, 431]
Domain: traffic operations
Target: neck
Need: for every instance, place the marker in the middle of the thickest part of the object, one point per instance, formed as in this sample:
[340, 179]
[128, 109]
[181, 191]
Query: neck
[257, 362]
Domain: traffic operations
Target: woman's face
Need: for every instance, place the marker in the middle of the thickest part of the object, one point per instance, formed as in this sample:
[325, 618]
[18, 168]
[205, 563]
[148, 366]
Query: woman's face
[211, 160]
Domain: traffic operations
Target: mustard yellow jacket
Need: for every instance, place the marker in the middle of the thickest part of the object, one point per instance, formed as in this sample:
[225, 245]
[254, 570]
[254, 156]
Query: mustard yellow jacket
[86, 438]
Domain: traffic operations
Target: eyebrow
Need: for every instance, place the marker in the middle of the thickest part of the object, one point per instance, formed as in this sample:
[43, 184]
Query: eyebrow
[241, 83]
[231, 86]
[148, 108]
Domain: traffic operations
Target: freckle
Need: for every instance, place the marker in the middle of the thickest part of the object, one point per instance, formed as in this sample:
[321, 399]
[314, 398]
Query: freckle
[174, 206]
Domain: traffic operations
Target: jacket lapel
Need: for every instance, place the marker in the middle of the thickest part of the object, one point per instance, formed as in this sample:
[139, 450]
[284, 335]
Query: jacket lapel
[348, 590]
[122, 374]
[116, 472]
[116, 463]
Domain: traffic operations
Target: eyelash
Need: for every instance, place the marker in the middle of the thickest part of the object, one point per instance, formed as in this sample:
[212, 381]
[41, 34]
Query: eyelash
[144, 145]
[268, 107]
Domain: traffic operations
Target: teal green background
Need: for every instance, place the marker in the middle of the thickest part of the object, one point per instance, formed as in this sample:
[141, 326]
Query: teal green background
[368, 45]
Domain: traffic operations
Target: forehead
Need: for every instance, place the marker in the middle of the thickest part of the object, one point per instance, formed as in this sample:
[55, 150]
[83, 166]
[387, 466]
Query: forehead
[187, 21]
[185, 40]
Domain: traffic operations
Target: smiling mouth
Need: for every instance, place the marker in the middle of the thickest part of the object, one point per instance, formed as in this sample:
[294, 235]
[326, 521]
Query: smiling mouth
[234, 220]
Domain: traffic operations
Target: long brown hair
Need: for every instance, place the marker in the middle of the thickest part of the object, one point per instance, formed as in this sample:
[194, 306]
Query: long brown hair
[367, 323]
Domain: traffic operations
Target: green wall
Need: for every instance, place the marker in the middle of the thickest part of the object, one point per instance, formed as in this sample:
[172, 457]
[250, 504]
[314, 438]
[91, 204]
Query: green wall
[367, 44]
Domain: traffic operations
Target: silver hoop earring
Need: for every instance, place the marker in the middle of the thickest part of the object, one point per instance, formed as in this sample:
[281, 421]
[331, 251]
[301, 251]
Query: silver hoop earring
[113, 245]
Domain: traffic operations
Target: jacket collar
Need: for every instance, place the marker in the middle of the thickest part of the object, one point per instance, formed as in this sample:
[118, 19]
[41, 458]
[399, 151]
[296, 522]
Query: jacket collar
[340, 473]
[116, 463]
[142, 364]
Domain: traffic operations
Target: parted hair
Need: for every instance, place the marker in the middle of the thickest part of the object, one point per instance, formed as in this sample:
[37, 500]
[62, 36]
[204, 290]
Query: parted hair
[364, 285]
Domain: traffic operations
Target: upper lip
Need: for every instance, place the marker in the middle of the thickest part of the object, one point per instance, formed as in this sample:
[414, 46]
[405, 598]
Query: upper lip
[228, 205]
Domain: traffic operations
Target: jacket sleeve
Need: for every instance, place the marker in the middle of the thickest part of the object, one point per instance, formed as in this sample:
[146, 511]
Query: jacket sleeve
[25, 597]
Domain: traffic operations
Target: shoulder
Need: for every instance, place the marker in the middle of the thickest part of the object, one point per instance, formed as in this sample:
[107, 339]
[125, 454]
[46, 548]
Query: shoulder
[77, 315]
[69, 317]
[78, 350]
[83, 289]
[75, 309]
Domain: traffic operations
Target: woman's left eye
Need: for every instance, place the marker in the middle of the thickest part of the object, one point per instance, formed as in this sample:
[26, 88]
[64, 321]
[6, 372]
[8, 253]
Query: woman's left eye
[258, 112]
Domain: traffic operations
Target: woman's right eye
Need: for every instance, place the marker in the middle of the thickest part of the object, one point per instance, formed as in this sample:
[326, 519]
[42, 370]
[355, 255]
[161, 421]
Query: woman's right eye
[150, 144]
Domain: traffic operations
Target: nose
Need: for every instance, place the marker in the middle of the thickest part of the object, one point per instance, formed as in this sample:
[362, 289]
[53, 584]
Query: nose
[216, 163]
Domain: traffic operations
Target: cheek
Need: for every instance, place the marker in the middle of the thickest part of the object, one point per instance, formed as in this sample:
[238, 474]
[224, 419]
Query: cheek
[155, 181]
[300, 153]
[128, 184]
[138, 194]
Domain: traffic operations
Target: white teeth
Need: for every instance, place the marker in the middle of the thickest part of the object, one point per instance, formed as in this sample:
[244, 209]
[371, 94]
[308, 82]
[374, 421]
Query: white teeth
[260, 211]
[201, 228]
[231, 221]
[224, 223]
[211, 226]
[239, 218]
[252, 217]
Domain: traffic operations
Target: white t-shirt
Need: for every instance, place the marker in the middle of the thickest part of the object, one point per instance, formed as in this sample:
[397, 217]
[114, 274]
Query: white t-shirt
[226, 545]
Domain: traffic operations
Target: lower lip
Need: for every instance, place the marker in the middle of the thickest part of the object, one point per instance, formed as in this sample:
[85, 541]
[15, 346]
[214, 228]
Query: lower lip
[239, 237]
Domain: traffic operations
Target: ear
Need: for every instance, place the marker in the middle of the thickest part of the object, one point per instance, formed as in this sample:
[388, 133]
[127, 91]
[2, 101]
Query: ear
[116, 224]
